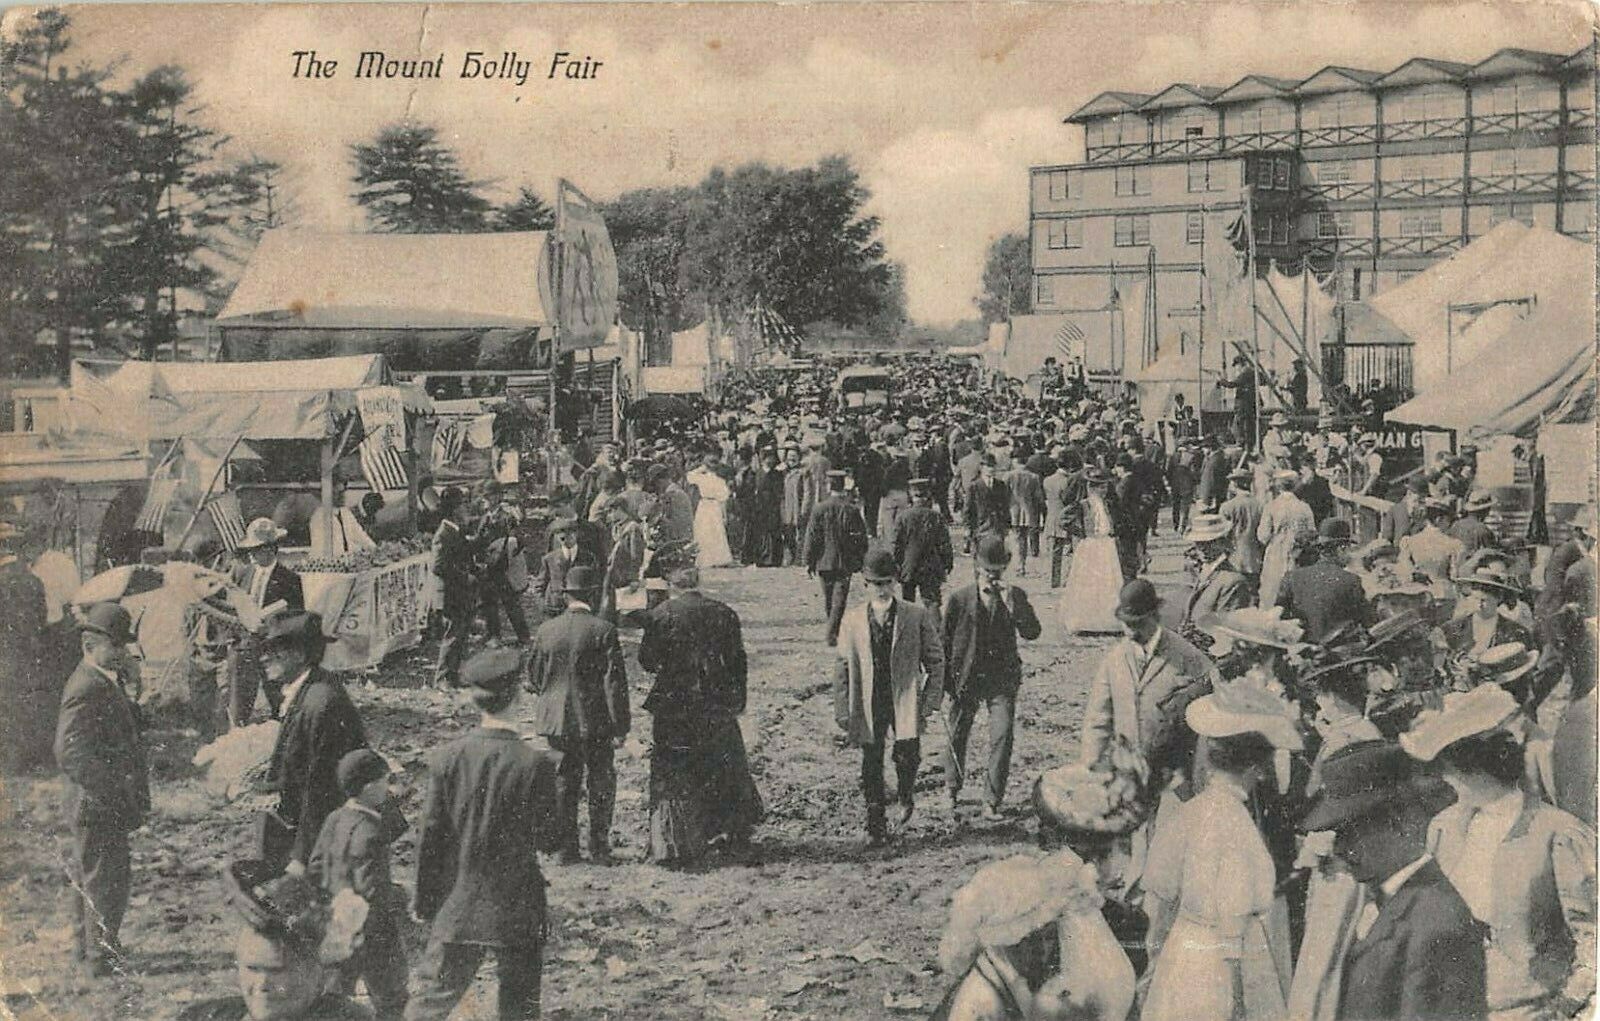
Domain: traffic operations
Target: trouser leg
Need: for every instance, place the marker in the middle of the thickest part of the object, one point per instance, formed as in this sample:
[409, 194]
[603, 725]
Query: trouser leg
[941, 496]
[515, 613]
[490, 610]
[1002, 718]
[602, 791]
[1033, 539]
[103, 870]
[447, 970]
[244, 681]
[838, 587]
[1022, 550]
[383, 966]
[520, 971]
[962, 713]
[872, 789]
[907, 757]
[452, 645]
[569, 789]
[1059, 544]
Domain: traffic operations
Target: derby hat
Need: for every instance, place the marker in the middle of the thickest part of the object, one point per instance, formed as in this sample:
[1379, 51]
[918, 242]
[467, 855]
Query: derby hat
[492, 670]
[1464, 714]
[837, 478]
[582, 578]
[566, 526]
[1207, 528]
[1137, 600]
[1246, 705]
[1241, 475]
[359, 768]
[880, 565]
[110, 619]
[992, 552]
[261, 532]
[1334, 532]
[1368, 777]
[294, 627]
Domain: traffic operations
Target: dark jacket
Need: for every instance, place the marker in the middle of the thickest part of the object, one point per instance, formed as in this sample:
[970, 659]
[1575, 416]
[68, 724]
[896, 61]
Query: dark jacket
[1422, 959]
[836, 538]
[489, 810]
[283, 583]
[576, 669]
[98, 747]
[1325, 597]
[549, 582]
[352, 853]
[922, 546]
[1457, 632]
[964, 674]
[695, 647]
[452, 563]
[319, 728]
[989, 507]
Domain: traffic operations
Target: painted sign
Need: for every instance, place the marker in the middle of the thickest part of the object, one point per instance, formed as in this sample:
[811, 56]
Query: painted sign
[578, 276]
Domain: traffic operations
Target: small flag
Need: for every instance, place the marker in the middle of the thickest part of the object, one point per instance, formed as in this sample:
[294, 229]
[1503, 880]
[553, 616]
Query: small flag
[1067, 336]
[382, 464]
[448, 442]
[157, 501]
[228, 518]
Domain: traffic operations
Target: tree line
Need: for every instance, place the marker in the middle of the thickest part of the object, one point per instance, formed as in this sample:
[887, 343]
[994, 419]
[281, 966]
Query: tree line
[119, 199]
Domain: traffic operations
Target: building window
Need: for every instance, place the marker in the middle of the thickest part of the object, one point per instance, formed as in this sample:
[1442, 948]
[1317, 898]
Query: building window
[1133, 180]
[1280, 172]
[1194, 228]
[1132, 230]
[1199, 176]
[1335, 224]
[1263, 174]
[1522, 212]
[1338, 111]
[1046, 291]
[1421, 223]
[1521, 95]
[1280, 228]
[1060, 185]
[1335, 171]
[1061, 234]
[1431, 103]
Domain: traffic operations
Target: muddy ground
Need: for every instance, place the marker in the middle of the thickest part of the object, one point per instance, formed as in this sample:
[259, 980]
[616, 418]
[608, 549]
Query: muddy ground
[819, 927]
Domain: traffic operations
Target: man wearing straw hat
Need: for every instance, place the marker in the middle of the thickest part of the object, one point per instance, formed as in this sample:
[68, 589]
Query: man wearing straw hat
[1218, 585]
[269, 584]
[1242, 511]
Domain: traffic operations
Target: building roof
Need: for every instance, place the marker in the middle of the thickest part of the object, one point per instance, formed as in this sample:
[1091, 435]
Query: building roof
[1182, 94]
[1105, 104]
[1256, 86]
[1583, 60]
[391, 281]
[1509, 61]
[1424, 71]
[1337, 78]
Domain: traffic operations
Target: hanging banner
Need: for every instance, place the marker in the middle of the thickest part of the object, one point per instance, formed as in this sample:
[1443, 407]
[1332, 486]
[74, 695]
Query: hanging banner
[578, 275]
[383, 414]
[376, 612]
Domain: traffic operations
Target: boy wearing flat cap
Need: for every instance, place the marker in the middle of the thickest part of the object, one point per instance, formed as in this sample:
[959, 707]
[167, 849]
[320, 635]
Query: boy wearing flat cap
[488, 813]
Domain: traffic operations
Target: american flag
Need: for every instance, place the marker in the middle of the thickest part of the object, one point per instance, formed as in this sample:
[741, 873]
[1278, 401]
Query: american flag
[229, 519]
[381, 463]
[1069, 335]
[157, 501]
[448, 441]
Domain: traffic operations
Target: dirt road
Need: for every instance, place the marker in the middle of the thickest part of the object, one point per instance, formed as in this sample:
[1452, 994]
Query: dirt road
[821, 927]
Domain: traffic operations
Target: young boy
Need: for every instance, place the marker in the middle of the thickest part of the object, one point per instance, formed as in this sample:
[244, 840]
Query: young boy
[352, 851]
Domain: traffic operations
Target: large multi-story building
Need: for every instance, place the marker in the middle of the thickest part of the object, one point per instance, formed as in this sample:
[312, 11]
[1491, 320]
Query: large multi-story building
[1370, 175]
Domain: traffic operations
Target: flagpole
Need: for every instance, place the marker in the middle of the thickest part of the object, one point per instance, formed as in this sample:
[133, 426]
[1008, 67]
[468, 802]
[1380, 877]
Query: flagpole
[1255, 324]
[222, 466]
[1200, 346]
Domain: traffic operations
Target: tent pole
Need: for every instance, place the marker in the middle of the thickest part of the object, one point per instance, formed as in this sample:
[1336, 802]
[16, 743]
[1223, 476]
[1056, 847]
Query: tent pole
[1200, 343]
[1255, 313]
[205, 497]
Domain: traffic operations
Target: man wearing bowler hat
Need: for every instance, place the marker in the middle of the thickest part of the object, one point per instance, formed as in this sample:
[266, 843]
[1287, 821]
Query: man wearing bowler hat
[1417, 953]
[320, 726]
[922, 548]
[576, 669]
[836, 540]
[1323, 595]
[487, 815]
[982, 622]
[108, 792]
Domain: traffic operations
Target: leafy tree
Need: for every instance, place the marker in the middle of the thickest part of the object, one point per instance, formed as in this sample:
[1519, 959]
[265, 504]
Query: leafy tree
[409, 182]
[1007, 280]
[526, 212]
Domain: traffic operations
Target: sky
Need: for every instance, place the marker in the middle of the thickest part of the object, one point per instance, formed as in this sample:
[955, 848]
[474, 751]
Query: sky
[943, 107]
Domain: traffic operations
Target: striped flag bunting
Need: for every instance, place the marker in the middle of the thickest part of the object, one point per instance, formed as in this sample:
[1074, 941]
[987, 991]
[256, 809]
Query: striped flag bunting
[157, 501]
[381, 463]
[449, 440]
[1069, 334]
[228, 518]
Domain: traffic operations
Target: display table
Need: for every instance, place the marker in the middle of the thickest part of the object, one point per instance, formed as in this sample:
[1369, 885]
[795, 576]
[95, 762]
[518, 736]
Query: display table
[369, 614]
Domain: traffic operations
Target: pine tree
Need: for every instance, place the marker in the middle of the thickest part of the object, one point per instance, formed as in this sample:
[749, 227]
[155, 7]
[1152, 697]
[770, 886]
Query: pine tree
[526, 212]
[409, 182]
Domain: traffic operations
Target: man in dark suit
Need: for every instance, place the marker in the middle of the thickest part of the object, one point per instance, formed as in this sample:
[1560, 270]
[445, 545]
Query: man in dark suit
[922, 548]
[1027, 512]
[982, 622]
[1579, 544]
[836, 541]
[935, 465]
[695, 647]
[577, 671]
[453, 565]
[988, 502]
[1218, 585]
[320, 726]
[1420, 955]
[1471, 530]
[1405, 516]
[108, 793]
[1064, 493]
[269, 583]
[1213, 481]
[489, 810]
[549, 581]
[28, 684]
[1323, 595]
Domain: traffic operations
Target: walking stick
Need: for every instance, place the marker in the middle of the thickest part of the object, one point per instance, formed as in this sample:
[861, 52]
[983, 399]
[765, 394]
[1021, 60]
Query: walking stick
[950, 747]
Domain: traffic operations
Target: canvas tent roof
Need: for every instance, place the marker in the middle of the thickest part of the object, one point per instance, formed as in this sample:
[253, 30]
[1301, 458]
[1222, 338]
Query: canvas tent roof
[392, 281]
[281, 400]
[1176, 373]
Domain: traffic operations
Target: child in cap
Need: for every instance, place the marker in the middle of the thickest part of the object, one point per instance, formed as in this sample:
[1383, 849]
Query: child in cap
[352, 852]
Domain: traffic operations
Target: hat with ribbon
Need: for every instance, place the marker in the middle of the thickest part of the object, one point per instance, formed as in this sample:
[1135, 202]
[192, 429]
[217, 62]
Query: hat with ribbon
[1334, 532]
[1503, 664]
[110, 619]
[1247, 705]
[1207, 528]
[260, 533]
[1490, 577]
[1464, 714]
[880, 565]
[1137, 600]
[294, 628]
[1391, 629]
[1252, 625]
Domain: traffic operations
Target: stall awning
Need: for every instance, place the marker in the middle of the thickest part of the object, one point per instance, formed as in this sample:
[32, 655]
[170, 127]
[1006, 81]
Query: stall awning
[392, 281]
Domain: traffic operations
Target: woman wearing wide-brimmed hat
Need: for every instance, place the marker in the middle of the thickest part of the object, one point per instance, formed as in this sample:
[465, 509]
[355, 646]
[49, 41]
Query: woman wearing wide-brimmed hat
[1487, 593]
[1033, 938]
[1525, 868]
[1218, 929]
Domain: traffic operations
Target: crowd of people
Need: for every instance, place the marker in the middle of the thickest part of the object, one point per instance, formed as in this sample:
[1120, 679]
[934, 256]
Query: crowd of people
[1333, 776]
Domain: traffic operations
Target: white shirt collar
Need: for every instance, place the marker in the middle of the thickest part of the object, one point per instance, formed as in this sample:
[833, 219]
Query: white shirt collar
[490, 722]
[1503, 809]
[1149, 648]
[578, 604]
[293, 689]
[110, 675]
[367, 809]
[1392, 885]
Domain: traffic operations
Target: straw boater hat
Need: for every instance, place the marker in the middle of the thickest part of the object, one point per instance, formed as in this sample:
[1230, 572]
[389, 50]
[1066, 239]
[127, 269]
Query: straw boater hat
[1464, 714]
[1246, 705]
[1207, 528]
[1391, 629]
[1503, 664]
[261, 533]
[1491, 578]
[1255, 626]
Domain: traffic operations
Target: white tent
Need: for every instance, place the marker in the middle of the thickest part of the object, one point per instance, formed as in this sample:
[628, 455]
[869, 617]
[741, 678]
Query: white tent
[1172, 374]
[1506, 276]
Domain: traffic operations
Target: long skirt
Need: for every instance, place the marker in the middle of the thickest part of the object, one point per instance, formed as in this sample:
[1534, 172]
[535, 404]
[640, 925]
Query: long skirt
[700, 785]
[1089, 599]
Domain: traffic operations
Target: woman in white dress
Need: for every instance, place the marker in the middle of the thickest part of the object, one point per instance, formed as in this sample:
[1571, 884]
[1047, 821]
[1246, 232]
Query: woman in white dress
[1219, 933]
[1089, 598]
[1285, 518]
[710, 518]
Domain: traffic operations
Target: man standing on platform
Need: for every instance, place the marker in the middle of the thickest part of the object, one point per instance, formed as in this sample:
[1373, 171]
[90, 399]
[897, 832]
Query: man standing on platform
[922, 548]
[576, 669]
[108, 793]
[982, 622]
[1244, 402]
[836, 540]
